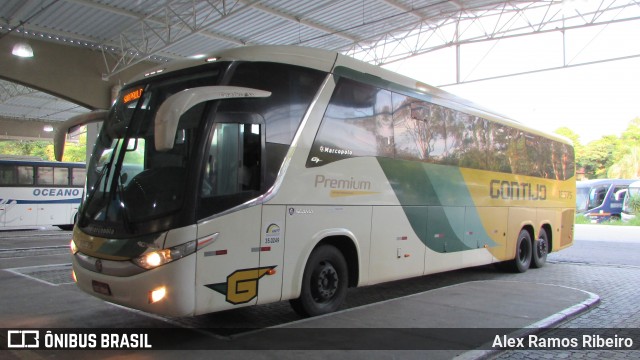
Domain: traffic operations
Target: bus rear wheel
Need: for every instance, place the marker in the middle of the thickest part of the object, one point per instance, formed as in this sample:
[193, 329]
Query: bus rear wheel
[540, 250]
[524, 251]
[324, 283]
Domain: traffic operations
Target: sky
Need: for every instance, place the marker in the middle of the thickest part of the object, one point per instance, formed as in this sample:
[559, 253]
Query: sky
[592, 100]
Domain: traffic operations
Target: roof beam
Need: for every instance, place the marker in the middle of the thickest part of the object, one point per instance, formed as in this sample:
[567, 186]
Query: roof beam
[9, 90]
[167, 26]
[300, 20]
[20, 14]
[376, 49]
[129, 14]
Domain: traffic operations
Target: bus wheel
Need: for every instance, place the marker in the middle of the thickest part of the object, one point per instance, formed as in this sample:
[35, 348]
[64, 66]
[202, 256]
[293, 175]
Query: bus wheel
[324, 283]
[523, 252]
[540, 250]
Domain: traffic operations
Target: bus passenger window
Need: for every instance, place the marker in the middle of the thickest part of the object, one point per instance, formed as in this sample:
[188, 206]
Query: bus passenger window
[25, 175]
[7, 175]
[77, 177]
[45, 176]
[61, 176]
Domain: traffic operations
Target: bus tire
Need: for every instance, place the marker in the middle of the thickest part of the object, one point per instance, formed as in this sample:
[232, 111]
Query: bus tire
[324, 283]
[540, 250]
[522, 261]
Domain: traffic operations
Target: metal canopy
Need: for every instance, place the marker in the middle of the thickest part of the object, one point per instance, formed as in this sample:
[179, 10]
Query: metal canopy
[378, 31]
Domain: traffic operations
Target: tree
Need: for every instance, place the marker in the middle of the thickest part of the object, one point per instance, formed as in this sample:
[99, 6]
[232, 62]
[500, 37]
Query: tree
[599, 156]
[628, 167]
[626, 158]
[73, 152]
[577, 145]
[25, 148]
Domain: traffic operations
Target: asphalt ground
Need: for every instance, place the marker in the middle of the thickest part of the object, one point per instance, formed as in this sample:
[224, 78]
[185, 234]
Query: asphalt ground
[615, 285]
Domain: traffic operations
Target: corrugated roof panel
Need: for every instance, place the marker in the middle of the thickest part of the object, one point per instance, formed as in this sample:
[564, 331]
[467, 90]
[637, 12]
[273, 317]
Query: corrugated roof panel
[85, 21]
[197, 44]
[237, 24]
[9, 9]
[329, 24]
[141, 7]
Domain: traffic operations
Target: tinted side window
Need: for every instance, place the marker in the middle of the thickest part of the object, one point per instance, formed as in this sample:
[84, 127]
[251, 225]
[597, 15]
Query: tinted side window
[8, 175]
[292, 90]
[77, 176]
[61, 176]
[357, 122]
[45, 176]
[25, 175]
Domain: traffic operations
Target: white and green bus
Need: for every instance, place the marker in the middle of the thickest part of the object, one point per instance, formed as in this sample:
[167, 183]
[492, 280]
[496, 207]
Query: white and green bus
[276, 173]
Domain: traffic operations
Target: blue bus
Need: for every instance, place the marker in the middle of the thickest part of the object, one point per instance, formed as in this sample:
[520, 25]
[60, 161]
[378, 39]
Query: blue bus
[600, 199]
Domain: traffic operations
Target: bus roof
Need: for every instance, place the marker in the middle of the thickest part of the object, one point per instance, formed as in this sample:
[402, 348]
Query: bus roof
[635, 184]
[597, 182]
[329, 61]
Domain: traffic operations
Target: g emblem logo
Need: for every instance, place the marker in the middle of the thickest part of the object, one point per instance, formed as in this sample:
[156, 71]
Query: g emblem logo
[242, 285]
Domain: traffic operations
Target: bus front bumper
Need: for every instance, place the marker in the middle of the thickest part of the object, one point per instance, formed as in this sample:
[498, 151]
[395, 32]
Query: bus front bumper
[143, 291]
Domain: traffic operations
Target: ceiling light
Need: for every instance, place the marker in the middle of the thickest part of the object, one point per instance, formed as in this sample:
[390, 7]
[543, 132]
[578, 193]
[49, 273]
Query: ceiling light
[22, 49]
[48, 128]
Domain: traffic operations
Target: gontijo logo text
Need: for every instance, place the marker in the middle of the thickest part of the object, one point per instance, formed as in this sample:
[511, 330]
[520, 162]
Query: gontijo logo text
[513, 190]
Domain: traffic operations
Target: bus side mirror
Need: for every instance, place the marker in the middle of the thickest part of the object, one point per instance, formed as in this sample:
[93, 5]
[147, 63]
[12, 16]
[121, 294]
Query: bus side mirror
[72, 124]
[169, 113]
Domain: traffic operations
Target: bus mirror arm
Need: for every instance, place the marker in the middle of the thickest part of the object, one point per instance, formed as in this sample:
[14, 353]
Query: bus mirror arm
[64, 128]
[169, 113]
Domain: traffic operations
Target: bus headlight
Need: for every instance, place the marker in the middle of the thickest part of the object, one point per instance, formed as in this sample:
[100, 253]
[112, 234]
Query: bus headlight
[74, 248]
[157, 294]
[160, 257]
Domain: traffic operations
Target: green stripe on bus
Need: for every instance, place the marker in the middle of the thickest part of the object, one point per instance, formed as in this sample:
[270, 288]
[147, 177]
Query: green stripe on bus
[437, 204]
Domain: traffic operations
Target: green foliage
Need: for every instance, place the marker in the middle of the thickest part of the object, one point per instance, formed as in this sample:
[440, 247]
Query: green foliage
[76, 152]
[610, 156]
[634, 204]
[26, 148]
[73, 152]
[626, 160]
[628, 167]
[575, 138]
[598, 156]
[581, 219]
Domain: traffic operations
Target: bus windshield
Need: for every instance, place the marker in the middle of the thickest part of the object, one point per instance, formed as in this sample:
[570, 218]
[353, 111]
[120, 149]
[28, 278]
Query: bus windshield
[132, 188]
[221, 156]
[582, 199]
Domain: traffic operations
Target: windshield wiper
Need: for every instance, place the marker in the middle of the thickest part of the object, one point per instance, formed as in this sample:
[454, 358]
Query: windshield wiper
[85, 204]
[123, 205]
[105, 167]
